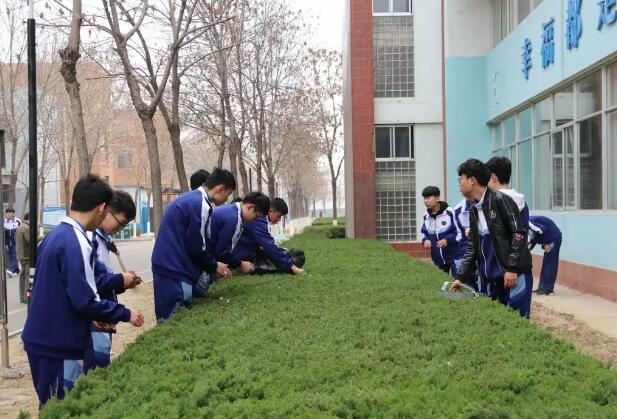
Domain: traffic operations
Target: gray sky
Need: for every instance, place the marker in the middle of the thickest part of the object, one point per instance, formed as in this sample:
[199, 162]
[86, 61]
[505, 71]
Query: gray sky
[327, 18]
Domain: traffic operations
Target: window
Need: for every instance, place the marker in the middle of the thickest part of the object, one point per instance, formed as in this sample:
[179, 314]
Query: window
[612, 158]
[395, 193]
[524, 124]
[612, 85]
[391, 6]
[394, 143]
[525, 170]
[564, 106]
[542, 114]
[125, 159]
[590, 163]
[542, 173]
[524, 7]
[589, 96]
[393, 56]
[558, 172]
[563, 155]
[510, 131]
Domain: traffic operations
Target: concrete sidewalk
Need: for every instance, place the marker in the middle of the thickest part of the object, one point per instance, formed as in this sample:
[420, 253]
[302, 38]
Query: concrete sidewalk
[595, 312]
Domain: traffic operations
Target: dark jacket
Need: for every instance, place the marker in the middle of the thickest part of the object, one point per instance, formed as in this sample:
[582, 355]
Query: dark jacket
[22, 239]
[507, 233]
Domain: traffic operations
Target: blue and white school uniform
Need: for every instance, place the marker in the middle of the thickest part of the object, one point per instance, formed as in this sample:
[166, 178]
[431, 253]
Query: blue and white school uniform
[461, 217]
[64, 304]
[182, 251]
[441, 226]
[10, 231]
[108, 285]
[542, 230]
[491, 272]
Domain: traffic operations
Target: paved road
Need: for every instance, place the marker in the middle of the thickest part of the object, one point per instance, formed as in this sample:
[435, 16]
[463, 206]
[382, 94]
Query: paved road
[135, 255]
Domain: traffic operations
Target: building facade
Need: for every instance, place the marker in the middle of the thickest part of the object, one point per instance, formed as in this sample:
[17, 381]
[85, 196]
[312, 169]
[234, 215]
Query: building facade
[533, 80]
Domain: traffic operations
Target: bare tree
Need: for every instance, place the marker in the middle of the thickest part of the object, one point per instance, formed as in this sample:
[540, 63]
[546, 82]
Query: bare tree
[326, 98]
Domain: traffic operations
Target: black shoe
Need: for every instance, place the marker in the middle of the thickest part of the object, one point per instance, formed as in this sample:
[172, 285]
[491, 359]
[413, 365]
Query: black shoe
[540, 291]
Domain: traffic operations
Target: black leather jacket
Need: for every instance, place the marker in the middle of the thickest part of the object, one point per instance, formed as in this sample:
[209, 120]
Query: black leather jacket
[507, 233]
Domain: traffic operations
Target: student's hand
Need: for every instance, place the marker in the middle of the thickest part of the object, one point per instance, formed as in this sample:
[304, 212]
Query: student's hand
[467, 231]
[137, 319]
[427, 244]
[547, 248]
[443, 243]
[456, 286]
[510, 279]
[103, 326]
[297, 270]
[131, 280]
[222, 270]
[246, 267]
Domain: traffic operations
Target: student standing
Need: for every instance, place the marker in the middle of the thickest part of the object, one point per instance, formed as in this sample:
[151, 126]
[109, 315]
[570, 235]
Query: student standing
[439, 230]
[11, 224]
[121, 210]
[183, 248]
[501, 174]
[498, 241]
[64, 299]
[543, 231]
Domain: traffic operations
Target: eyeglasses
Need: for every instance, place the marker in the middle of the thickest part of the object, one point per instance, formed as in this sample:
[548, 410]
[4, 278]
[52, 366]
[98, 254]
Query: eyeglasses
[120, 224]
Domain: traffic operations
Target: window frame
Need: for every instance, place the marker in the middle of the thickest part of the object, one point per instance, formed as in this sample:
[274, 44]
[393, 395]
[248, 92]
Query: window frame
[391, 8]
[392, 138]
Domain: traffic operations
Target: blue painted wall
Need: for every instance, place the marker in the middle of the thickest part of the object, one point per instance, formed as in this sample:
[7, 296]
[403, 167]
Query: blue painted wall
[506, 84]
[468, 135]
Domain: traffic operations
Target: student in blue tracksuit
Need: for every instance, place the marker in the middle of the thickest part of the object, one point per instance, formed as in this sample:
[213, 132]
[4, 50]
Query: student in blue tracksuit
[439, 230]
[228, 223]
[64, 300]
[461, 218]
[11, 224]
[183, 248]
[544, 231]
[121, 210]
[198, 178]
[501, 173]
[498, 241]
[257, 235]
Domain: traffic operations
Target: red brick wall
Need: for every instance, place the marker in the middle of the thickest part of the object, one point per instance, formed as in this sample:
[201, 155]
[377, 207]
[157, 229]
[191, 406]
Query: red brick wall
[363, 118]
[588, 279]
[413, 249]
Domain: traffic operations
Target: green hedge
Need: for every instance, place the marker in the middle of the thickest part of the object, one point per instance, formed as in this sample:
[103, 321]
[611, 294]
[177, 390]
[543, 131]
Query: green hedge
[363, 334]
[327, 221]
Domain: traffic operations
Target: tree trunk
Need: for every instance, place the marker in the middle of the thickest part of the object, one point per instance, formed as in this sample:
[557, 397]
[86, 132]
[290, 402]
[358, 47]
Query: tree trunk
[233, 167]
[67, 195]
[334, 206]
[176, 146]
[259, 158]
[242, 170]
[221, 156]
[155, 167]
[68, 69]
[41, 201]
[271, 186]
[11, 192]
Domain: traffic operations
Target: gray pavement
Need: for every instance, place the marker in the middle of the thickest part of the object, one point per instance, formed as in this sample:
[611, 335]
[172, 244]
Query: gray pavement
[135, 254]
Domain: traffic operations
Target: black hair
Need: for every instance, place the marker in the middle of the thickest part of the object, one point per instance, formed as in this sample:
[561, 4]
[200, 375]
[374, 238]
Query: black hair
[9, 209]
[122, 203]
[279, 205]
[199, 178]
[261, 201]
[236, 200]
[476, 169]
[26, 216]
[431, 191]
[221, 177]
[502, 167]
[90, 191]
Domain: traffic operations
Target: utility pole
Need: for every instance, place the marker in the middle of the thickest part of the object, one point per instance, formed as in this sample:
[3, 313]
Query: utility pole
[4, 315]
[32, 144]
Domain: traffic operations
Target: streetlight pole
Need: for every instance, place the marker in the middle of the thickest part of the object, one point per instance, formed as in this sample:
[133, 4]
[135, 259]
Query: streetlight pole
[32, 143]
